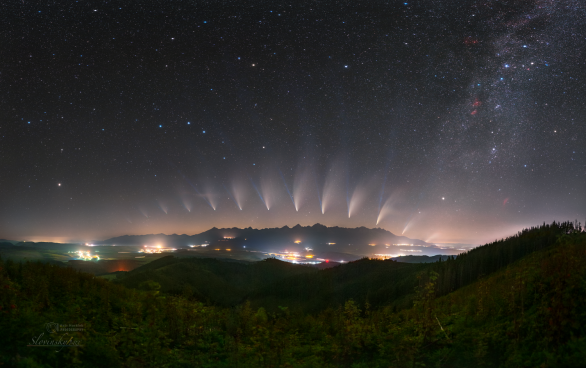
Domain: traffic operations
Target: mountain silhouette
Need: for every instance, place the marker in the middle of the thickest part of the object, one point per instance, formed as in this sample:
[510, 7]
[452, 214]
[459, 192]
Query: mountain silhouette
[318, 237]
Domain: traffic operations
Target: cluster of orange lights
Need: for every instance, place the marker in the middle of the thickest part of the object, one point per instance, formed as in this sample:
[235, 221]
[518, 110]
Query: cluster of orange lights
[384, 256]
[86, 256]
[294, 257]
[155, 249]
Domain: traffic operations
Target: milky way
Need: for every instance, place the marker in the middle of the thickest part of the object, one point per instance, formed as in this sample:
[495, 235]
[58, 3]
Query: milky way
[447, 121]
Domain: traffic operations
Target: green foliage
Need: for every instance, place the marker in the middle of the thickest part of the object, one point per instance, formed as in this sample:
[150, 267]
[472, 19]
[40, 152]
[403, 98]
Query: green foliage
[527, 313]
[219, 282]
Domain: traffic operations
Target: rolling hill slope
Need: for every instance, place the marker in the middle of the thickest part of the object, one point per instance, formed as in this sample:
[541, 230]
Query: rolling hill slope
[272, 283]
[528, 312]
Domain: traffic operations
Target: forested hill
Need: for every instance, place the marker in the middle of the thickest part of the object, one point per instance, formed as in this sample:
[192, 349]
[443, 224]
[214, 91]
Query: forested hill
[217, 282]
[274, 283]
[420, 259]
[527, 313]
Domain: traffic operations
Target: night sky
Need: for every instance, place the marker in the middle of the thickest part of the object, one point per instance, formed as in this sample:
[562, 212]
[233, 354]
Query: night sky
[446, 121]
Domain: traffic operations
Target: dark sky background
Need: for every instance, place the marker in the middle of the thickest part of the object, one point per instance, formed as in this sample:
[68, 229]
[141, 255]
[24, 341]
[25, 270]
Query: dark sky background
[447, 121]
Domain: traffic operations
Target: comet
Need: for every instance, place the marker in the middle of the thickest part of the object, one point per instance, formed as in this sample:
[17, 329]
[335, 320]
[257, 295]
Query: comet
[330, 185]
[299, 187]
[389, 208]
[196, 190]
[258, 192]
[406, 227]
[358, 197]
[163, 206]
[211, 199]
[288, 191]
[267, 189]
[415, 213]
[347, 196]
[382, 190]
[239, 193]
[232, 197]
[317, 190]
[186, 204]
[327, 196]
[431, 237]
[386, 210]
[410, 222]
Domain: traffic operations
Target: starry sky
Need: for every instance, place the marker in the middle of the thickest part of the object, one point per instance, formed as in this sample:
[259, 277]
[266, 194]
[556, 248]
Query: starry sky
[446, 121]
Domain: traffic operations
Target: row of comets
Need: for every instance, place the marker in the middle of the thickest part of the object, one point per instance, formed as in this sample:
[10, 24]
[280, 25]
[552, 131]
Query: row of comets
[303, 190]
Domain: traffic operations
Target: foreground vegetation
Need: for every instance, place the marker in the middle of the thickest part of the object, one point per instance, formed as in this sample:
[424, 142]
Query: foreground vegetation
[513, 303]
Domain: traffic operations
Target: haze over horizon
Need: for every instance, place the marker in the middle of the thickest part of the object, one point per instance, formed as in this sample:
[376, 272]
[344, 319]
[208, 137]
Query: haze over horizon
[457, 122]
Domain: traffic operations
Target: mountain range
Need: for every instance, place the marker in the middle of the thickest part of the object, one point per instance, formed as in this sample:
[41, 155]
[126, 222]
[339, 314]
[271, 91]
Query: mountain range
[320, 238]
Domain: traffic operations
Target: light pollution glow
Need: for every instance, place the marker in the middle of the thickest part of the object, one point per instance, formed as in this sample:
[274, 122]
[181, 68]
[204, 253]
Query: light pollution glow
[185, 211]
